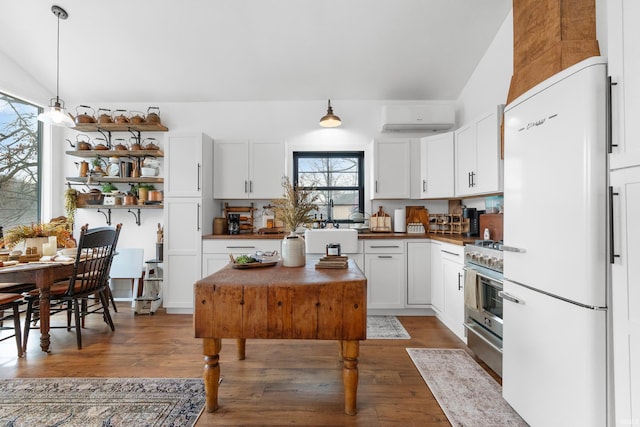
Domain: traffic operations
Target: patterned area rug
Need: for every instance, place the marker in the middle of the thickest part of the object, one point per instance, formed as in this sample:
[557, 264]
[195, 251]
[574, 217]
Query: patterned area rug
[385, 327]
[101, 402]
[466, 393]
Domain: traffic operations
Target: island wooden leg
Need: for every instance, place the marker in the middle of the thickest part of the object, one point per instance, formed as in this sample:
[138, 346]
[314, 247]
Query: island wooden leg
[242, 344]
[350, 353]
[211, 350]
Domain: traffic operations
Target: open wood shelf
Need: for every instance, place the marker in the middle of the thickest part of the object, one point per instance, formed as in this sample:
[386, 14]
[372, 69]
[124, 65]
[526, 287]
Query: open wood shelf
[117, 127]
[115, 153]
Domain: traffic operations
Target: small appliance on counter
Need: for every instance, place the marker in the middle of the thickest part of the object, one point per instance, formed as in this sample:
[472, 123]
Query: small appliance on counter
[233, 221]
[473, 216]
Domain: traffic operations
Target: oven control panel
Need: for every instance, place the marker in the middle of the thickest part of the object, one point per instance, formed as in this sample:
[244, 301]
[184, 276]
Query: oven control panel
[484, 257]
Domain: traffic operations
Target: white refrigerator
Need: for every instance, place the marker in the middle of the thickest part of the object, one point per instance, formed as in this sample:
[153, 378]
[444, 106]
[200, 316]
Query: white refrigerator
[556, 324]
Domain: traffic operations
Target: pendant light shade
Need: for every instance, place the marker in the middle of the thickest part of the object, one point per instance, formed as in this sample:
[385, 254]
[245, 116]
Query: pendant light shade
[330, 120]
[55, 114]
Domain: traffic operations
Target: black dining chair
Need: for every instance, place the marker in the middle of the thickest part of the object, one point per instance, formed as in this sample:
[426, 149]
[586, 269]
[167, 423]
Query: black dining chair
[10, 311]
[96, 248]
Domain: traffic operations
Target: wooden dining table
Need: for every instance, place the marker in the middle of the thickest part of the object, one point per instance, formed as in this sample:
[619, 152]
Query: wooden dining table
[43, 275]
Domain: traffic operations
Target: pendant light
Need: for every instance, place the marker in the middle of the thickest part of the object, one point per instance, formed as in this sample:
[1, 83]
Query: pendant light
[55, 113]
[330, 120]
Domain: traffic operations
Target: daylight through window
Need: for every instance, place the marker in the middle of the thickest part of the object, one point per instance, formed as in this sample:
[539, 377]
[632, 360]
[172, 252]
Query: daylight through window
[20, 142]
[338, 177]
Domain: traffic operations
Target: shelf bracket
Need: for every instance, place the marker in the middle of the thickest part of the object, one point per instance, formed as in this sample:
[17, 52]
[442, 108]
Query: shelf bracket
[137, 217]
[136, 134]
[107, 136]
[107, 215]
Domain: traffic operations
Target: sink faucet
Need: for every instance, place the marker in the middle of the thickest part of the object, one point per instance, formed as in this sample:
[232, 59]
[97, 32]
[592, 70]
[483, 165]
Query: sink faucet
[330, 214]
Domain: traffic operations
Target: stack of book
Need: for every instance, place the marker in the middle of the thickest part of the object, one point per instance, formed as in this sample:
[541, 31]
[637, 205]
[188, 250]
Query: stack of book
[333, 261]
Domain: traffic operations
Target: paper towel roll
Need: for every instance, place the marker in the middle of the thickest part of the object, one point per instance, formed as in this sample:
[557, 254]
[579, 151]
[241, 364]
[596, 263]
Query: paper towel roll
[400, 221]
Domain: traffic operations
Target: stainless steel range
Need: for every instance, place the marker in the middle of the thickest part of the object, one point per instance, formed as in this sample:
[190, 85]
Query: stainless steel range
[483, 306]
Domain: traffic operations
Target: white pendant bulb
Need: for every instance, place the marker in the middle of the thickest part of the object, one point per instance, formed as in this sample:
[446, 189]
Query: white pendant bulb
[55, 114]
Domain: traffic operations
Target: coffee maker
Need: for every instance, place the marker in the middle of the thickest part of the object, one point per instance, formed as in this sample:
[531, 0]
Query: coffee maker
[233, 221]
[473, 216]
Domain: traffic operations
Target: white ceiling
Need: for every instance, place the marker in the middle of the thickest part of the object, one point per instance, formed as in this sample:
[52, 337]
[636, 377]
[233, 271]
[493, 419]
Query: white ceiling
[252, 50]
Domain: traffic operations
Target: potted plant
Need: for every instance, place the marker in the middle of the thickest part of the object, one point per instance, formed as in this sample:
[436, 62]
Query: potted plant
[294, 210]
[108, 187]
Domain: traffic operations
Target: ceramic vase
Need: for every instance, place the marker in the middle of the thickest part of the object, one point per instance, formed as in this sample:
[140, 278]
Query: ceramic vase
[293, 253]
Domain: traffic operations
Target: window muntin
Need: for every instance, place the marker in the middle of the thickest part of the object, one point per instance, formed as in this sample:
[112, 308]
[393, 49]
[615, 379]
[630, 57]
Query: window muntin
[337, 177]
[20, 156]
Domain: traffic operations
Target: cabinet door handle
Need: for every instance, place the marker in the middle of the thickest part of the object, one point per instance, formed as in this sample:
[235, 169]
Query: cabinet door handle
[250, 186]
[459, 282]
[469, 179]
[240, 247]
[385, 256]
[245, 187]
[610, 116]
[383, 247]
[198, 218]
[612, 253]
[424, 185]
[198, 178]
[509, 297]
[450, 253]
[473, 179]
[376, 186]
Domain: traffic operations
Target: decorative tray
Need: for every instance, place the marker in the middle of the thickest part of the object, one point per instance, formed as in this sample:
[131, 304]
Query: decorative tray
[253, 265]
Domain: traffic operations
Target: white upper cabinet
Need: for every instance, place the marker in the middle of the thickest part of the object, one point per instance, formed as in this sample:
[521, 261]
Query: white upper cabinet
[391, 169]
[188, 161]
[436, 166]
[478, 167]
[248, 169]
[624, 68]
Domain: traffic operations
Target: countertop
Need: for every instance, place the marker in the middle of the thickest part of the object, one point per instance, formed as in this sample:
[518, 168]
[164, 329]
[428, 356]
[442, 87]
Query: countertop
[455, 239]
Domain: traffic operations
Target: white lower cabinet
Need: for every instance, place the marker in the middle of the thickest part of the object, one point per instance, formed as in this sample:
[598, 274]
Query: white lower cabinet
[452, 268]
[182, 248]
[385, 271]
[215, 252]
[625, 275]
[418, 273]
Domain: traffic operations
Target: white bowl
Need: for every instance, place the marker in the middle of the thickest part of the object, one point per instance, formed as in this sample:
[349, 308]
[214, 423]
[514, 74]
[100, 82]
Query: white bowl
[148, 171]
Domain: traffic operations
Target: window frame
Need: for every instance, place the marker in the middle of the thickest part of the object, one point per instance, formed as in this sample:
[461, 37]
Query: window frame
[335, 154]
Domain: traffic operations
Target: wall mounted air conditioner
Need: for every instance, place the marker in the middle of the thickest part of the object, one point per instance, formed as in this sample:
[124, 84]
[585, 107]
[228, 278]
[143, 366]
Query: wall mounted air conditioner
[417, 118]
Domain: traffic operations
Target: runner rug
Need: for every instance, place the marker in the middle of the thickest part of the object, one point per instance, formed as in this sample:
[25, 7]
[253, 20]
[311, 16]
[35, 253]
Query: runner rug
[101, 402]
[385, 327]
[467, 394]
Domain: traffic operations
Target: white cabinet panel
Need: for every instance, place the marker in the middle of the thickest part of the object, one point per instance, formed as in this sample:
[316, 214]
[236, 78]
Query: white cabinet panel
[418, 273]
[188, 165]
[437, 166]
[385, 280]
[437, 284]
[391, 169]
[624, 68]
[625, 273]
[478, 168]
[249, 169]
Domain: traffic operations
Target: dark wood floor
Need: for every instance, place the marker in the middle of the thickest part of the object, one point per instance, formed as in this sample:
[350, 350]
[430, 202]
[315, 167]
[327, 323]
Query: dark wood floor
[281, 382]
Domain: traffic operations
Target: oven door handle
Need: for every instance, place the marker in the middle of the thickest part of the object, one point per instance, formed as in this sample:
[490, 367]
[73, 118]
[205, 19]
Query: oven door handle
[509, 297]
[493, 279]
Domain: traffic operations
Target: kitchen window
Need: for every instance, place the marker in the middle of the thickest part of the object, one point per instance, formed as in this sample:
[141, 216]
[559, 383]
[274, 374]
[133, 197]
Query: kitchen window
[20, 156]
[337, 177]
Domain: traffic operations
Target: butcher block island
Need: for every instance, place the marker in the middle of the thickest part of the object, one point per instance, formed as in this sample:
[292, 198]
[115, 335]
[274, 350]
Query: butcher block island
[281, 303]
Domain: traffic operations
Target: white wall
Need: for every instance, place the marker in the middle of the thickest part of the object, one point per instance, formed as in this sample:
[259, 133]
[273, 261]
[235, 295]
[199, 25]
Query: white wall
[489, 83]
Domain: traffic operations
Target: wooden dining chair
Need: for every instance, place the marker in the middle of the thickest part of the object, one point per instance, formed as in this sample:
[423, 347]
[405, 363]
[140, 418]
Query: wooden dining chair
[96, 248]
[10, 310]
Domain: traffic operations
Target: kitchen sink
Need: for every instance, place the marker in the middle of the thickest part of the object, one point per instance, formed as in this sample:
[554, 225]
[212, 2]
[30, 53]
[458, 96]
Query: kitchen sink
[316, 240]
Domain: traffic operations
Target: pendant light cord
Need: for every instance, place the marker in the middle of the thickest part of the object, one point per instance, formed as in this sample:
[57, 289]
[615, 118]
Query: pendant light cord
[58, 63]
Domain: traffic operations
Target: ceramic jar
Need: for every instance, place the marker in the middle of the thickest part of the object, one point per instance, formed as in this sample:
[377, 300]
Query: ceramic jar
[293, 253]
